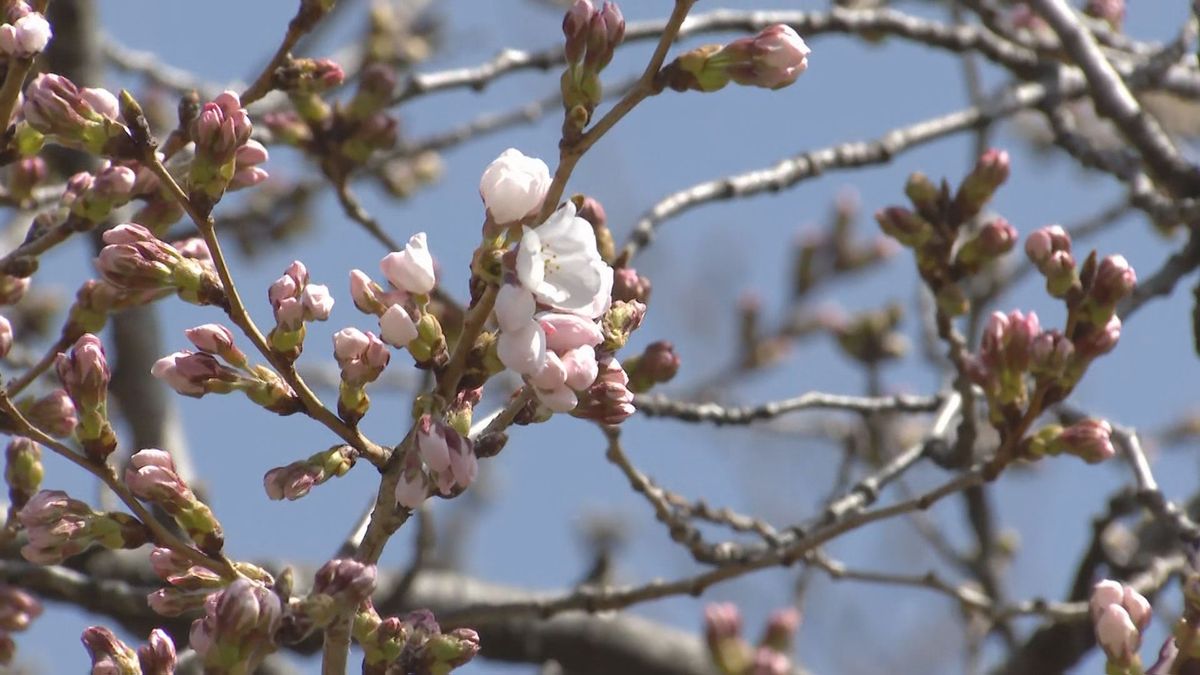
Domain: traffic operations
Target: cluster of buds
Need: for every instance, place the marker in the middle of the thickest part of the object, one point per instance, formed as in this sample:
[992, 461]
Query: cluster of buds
[23, 470]
[362, 356]
[188, 584]
[413, 644]
[404, 321]
[111, 655]
[1089, 440]
[1015, 350]
[592, 35]
[55, 109]
[869, 337]
[221, 133]
[18, 609]
[732, 655]
[90, 198]
[136, 260]
[442, 457]
[238, 628]
[772, 59]
[342, 135]
[942, 230]
[84, 374]
[340, 588]
[195, 374]
[25, 35]
[1120, 615]
[60, 527]
[294, 301]
[295, 480]
[151, 476]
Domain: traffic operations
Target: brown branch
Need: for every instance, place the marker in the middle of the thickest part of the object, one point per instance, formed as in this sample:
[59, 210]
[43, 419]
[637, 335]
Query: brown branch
[656, 405]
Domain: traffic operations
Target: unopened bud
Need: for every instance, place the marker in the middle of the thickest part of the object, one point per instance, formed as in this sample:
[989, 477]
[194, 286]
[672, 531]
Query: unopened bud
[656, 365]
[977, 188]
[904, 226]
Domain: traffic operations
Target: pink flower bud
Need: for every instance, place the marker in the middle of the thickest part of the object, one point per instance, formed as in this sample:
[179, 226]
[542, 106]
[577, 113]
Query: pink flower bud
[565, 332]
[361, 356]
[214, 338]
[109, 655]
[1117, 635]
[6, 337]
[580, 367]
[781, 630]
[157, 656]
[412, 488]
[514, 186]
[772, 59]
[1042, 243]
[318, 303]
[559, 399]
[410, 270]
[397, 327]
[552, 374]
[431, 444]
[770, 662]
[1099, 341]
[629, 285]
[722, 621]
[368, 296]
[239, 624]
[348, 581]
[54, 413]
[1051, 353]
[18, 609]
[1090, 440]
[575, 26]
[193, 374]
[84, 372]
[1115, 279]
[26, 37]
[247, 176]
[79, 118]
[658, 364]
[608, 400]
[251, 154]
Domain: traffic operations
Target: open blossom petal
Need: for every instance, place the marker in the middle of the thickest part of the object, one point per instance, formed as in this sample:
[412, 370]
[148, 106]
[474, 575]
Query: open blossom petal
[514, 307]
[552, 375]
[560, 265]
[565, 332]
[560, 399]
[411, 269]
[523, 351]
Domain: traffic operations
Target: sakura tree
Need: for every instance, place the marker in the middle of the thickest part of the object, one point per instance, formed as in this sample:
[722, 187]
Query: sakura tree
[543, 337]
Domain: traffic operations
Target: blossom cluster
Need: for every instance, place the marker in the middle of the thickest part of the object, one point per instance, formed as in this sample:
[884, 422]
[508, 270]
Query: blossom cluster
[731, 654]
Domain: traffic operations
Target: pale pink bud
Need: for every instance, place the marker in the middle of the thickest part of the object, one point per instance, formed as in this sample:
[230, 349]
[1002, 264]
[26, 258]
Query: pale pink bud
[151, 475]
[26, 37]
[1044, 242]
[514, 307]
[609, 399]
[251, 154]
[772, 59]
[431, 444]
[1117, 635]
[397, 327]
[575, 29]
[770, 662]
[410, 270]
[580, 367]
[722, 621]
[514, 186]
[157, 656]
[214, 338]
[1138, 608]
[54, 413]
[1115, 279]
[367, 294]
[412, 488]
[6, 337]
[559, 399]
[192, 374]
[361, 356]
[348, 581]
[1099, 341]
[103, 101]
[84, 372]
[317, 301]
[1091, 440]
[565, 332]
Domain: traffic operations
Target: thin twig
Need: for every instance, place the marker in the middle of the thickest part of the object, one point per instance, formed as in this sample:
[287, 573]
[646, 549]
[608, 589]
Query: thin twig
[660, 406]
